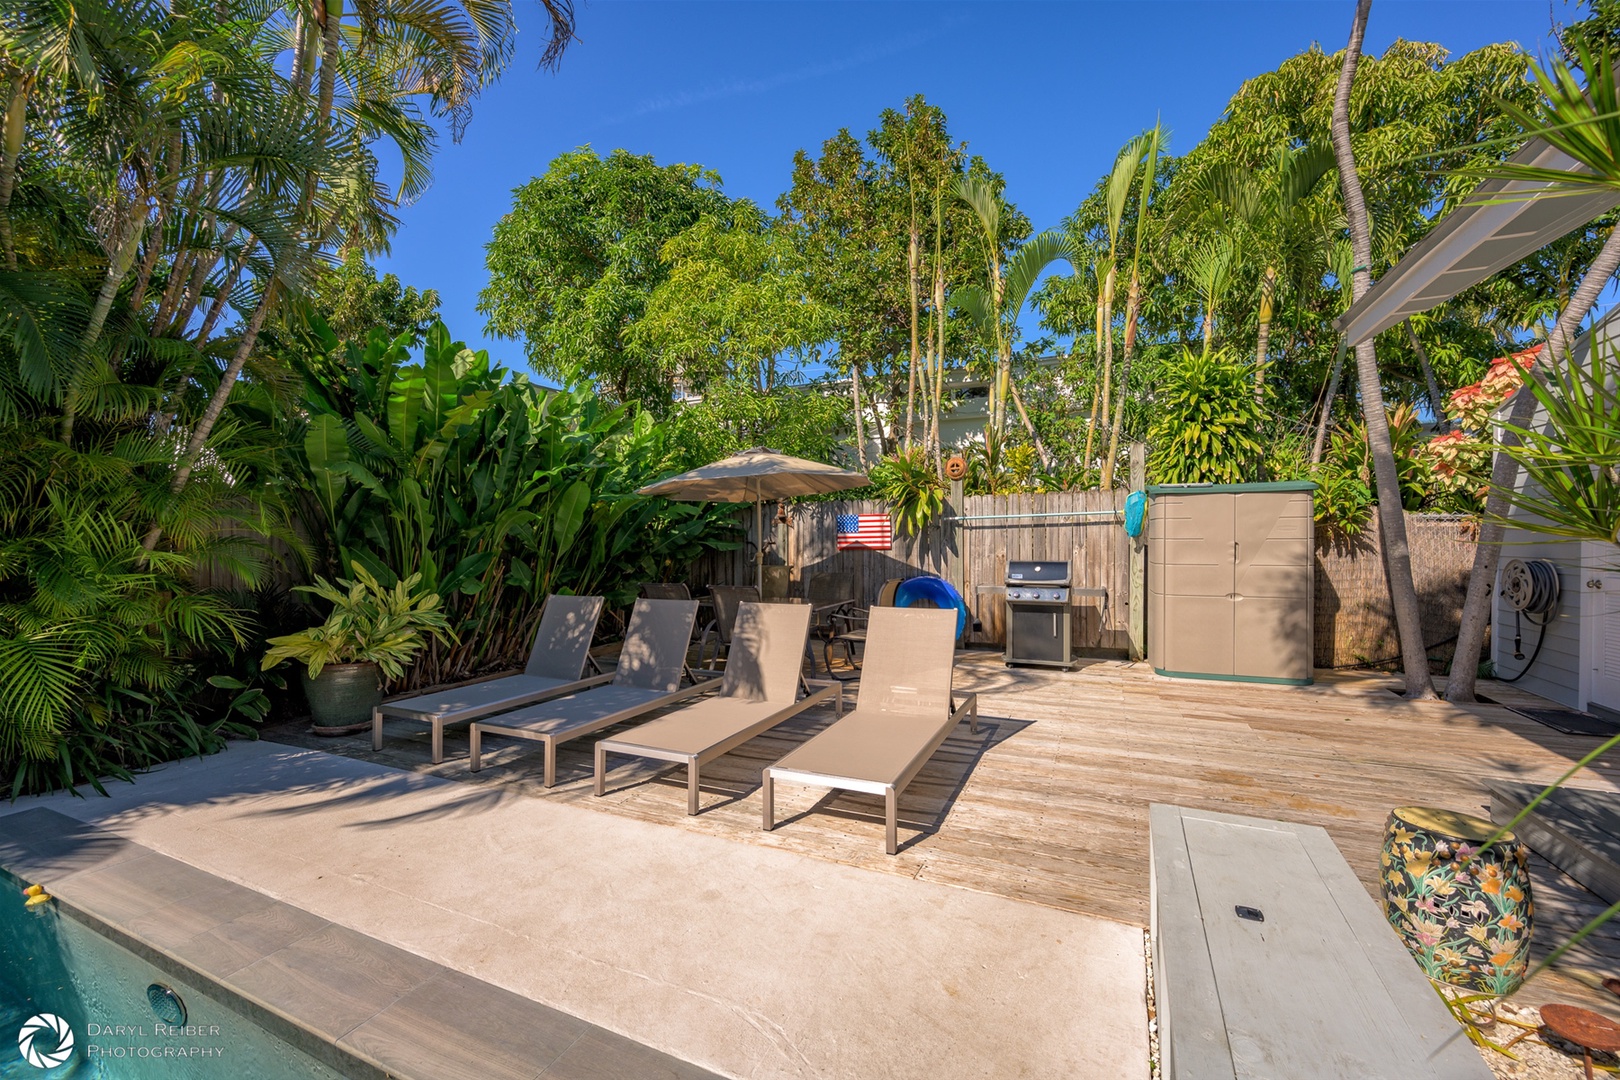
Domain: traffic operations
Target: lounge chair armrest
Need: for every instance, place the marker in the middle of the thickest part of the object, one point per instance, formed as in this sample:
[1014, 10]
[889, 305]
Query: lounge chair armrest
[819, 690]
[703, 675]
[596, 680]
[970, 705]
[703, 687]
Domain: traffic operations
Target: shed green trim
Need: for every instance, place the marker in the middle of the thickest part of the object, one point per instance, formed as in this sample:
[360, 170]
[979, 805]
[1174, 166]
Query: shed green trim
[1212, 489]
[1231, 678]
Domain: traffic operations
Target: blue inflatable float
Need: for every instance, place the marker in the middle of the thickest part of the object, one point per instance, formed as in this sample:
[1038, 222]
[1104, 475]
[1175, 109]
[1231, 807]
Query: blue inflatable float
[935, 592]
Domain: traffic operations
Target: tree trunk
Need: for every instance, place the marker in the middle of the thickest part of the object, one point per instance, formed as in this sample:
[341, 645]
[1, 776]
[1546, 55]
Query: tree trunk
[1098, 377]
[860, 426]
[939, 353]
[1262, 344]
[1106, 326]
[15, 126]
[1327, 403]
[914, 258]
[1133, 298]
[216, 406]
[1209, 326]
[330, 15]
[1392, 518]
[1476, 613]
[1018, 403]
[1435, 401]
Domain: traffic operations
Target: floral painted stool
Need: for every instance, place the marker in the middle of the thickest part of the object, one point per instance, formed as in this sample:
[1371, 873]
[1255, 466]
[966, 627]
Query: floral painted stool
[1463, 910]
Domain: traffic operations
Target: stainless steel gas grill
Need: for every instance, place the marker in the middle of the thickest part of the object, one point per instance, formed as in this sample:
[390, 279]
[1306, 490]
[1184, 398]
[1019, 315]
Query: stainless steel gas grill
[1039, 614]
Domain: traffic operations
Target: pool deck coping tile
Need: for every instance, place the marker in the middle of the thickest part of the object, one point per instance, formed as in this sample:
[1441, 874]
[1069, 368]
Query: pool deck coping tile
[137, 897]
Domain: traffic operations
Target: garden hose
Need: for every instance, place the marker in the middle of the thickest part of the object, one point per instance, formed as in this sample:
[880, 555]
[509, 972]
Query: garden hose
[1530, 588]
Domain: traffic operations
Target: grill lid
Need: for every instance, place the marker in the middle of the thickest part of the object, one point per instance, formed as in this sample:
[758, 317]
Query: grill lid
[1037, 573]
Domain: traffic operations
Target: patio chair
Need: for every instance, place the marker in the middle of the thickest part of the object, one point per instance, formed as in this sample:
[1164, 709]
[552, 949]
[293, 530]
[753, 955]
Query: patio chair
[760, 690]
[849, 629]
[905, 711]
[648, 677]
[727, 598]
[665, 590]
[556, 666]
[828, 594]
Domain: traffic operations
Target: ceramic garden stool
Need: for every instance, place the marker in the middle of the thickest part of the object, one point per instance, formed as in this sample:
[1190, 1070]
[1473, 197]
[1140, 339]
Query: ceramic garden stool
[1462, 910]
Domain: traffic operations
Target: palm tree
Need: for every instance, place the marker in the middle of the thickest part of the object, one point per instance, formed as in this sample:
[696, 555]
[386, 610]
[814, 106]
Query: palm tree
[1209, 268]
[1116, 194]
[986, 205]
[997, 312]
[1392, 520]
[1152, 142]
[1271, 216]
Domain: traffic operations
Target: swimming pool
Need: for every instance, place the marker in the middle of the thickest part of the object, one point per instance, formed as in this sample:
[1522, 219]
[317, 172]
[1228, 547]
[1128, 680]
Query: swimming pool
[127, 1020]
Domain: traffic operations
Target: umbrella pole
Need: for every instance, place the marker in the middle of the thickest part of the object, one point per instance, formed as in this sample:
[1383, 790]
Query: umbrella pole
[759, 545]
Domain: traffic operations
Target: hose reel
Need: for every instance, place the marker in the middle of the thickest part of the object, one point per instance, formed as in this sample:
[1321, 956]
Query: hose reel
[1529, 588]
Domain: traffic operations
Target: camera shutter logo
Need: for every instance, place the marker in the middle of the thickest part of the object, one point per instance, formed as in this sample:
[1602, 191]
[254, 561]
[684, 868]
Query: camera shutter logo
[60, 1033]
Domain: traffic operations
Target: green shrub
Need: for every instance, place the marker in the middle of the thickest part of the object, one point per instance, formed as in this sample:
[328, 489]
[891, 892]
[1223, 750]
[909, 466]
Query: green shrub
[368, 624]
[496, 491]
[908, 483]
[1207, 425]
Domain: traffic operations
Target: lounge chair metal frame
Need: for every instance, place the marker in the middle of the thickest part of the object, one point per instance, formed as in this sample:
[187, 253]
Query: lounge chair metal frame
[760, 689]
[553, 739]
[437, 720]
[655, 698]
[626, 744]
[890, 792]
[893, 784]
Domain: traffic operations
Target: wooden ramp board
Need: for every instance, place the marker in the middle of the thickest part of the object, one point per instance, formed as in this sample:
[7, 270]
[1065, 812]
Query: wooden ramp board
[1576, 830]
[1322, 988]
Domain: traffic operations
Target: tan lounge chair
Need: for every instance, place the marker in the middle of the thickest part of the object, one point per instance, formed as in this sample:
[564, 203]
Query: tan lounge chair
[906, 709]
[648, 677]
[760, 690]
[562, 647]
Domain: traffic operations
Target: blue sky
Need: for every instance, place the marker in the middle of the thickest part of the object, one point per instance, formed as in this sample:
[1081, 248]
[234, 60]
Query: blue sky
[1045, 92]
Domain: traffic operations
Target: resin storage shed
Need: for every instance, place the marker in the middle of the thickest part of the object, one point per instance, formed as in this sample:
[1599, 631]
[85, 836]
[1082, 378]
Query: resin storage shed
[1229, 579]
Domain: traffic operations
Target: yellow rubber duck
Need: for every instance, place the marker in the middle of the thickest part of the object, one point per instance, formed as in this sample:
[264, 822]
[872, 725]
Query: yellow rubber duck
[36, 896]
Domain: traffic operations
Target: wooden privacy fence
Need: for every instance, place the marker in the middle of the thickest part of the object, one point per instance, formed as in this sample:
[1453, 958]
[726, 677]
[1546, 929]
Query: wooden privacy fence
[970, 549]
[1354, 619]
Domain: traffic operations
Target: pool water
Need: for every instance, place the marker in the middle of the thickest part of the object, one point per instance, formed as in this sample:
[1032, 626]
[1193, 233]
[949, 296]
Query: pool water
[52, 964]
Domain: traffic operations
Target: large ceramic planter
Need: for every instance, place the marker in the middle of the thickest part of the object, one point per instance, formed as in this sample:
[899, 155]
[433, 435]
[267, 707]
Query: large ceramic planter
[1463, 910]
[342, 696]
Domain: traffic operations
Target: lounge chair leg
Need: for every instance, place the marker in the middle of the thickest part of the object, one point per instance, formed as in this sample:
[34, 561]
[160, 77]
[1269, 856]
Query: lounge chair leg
[474, 738]
[438, 742]
[691, 786]
[601, 770]
[767, 789]
[551, 761]
[891, 839]
[376, 728]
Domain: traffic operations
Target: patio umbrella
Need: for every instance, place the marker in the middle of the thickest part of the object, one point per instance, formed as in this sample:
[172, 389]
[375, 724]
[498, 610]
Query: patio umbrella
[756, 475]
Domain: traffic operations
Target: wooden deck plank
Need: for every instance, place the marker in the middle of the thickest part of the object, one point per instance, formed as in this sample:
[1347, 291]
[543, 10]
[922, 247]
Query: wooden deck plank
[1048, 803]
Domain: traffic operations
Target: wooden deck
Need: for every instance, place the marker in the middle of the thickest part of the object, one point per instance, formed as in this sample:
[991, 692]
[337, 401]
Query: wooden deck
[1049, 802]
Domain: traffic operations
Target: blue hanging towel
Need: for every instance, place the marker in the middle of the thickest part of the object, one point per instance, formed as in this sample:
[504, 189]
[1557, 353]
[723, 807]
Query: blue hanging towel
[1135, 512]
[936, 591]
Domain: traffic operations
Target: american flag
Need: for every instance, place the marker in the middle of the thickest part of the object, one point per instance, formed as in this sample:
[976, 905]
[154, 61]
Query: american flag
[868, 532]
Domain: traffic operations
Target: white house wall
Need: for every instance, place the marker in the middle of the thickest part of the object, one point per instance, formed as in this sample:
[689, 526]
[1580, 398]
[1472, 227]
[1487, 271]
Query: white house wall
[1558, 672]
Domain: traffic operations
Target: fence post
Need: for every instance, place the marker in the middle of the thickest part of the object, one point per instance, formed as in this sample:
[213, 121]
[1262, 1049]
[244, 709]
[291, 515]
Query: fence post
[1138, 625]
[953, 540]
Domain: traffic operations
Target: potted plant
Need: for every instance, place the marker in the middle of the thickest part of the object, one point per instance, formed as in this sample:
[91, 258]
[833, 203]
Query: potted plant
[371, 634]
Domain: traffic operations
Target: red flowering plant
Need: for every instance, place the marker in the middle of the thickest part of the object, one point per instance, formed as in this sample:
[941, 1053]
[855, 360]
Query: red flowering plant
[1458, 463]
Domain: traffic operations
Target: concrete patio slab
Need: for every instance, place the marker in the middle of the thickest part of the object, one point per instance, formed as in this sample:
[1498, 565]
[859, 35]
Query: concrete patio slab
[751, 961]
